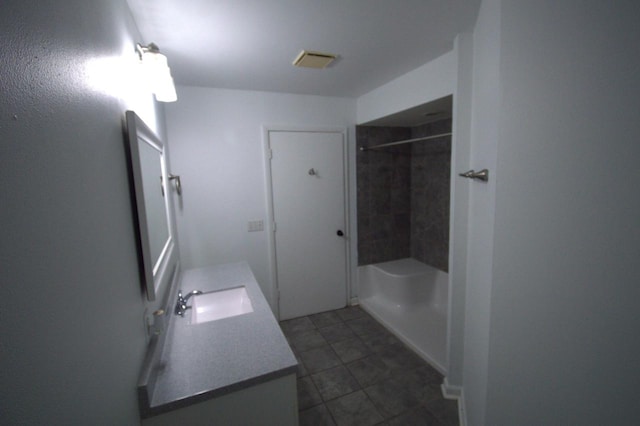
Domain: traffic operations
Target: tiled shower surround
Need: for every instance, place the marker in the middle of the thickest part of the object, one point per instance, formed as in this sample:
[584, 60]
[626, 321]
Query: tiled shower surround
[403, 195]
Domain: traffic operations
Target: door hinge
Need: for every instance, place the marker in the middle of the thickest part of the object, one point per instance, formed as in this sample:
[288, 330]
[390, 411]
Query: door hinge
[270, 154]
[274, 227]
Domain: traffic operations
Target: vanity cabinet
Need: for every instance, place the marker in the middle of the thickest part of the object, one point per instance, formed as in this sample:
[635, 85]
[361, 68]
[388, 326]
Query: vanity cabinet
[229, 370]
[270, 403]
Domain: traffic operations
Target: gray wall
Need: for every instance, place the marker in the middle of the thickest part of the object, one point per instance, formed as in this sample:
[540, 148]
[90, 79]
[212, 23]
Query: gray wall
[403, 195]
[485, 113]
[72, 336]
[552, 293]
[459, 217]
[565, 318]
[217, 146]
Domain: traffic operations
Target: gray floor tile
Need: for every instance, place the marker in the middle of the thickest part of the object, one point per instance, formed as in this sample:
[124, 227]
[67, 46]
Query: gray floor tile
[336, 332]
[351, 349]
[399, 356]
[335, 382]
[364, 373]
[423, 382]
[325, 318]
[354, 409]
[316, 416]
[369, 370]
[446, 410]
[390, 398]
[378, 341]
[308, 395]
[418, 416]
[365, 326]
[305, 340]
[302, 370]
[431, 374]
[319, 359]
[296, 325]
[351, 312]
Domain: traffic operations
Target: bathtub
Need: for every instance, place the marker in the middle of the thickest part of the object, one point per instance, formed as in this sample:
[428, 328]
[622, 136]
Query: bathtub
[410, 299]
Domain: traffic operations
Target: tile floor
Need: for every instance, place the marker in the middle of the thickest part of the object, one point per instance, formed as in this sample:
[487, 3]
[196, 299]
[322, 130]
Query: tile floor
[352, 371]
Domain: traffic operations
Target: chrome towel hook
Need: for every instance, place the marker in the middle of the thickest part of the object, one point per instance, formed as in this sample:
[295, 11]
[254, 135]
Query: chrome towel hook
[482, 175]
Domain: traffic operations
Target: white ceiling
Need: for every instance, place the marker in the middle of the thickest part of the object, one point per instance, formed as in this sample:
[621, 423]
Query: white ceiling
[250, 44]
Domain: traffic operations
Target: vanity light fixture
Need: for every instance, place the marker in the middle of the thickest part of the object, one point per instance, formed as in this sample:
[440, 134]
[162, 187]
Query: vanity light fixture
[157, 71]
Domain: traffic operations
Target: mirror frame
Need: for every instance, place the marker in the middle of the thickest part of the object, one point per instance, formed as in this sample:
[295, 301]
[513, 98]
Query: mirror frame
[138, 132]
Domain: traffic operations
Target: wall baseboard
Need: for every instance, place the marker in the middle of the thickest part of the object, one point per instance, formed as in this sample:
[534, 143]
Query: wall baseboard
[450, 391]
[354, 301]
[455, 392]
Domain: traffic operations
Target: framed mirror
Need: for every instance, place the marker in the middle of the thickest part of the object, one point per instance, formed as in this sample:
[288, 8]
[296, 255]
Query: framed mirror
[149, 172]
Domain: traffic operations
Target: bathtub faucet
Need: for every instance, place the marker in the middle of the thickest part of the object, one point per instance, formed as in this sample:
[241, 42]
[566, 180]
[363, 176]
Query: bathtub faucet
[181, 304]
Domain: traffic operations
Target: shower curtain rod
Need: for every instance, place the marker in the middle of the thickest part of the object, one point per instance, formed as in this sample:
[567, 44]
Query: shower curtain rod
[382, 145]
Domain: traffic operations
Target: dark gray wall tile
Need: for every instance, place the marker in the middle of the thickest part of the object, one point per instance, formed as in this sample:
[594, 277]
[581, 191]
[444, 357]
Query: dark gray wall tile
[384, 197]
[403, 195]
[430, 193]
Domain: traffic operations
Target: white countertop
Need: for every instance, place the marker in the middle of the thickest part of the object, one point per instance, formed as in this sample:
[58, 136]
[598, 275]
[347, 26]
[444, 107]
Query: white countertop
[202, 361]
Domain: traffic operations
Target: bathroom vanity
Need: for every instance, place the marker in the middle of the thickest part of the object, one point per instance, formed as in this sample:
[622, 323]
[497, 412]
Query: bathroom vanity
[234, 370]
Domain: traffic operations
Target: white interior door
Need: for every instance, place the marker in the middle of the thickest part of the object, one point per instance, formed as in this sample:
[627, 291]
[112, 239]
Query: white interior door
[308, 190]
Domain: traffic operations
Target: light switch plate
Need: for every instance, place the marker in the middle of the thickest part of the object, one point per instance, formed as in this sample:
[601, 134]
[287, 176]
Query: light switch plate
[256, 225]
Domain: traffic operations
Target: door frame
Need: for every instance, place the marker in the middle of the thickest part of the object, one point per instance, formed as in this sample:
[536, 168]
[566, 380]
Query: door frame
[269, 226]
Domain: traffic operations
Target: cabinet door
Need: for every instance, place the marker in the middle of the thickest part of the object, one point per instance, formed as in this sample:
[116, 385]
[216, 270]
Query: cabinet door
[271, 403]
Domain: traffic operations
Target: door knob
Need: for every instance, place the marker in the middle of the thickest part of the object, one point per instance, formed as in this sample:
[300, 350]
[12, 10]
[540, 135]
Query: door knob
[482, 175]
[340, 233]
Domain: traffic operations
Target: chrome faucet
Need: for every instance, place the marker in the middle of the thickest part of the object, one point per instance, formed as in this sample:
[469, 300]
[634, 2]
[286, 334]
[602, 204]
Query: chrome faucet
[181, 305]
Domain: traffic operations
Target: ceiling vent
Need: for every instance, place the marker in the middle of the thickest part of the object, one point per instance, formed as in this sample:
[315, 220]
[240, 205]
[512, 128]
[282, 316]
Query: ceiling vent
[310, 59]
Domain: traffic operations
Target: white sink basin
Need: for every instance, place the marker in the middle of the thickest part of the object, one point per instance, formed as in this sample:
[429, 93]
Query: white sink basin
[220, 304]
